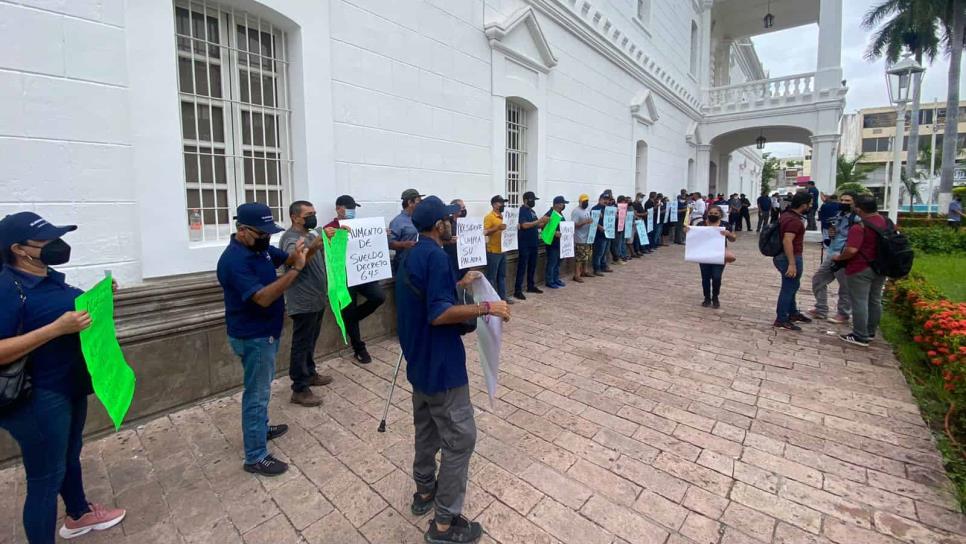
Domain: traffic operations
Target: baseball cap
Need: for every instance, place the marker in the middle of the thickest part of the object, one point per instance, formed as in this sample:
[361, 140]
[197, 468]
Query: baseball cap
[496, 199]
[583, 197]
[19, 227]
[347, 201]
[530, 194]
[560, 200]
[411, 193]
[431, 210]
[257, 216]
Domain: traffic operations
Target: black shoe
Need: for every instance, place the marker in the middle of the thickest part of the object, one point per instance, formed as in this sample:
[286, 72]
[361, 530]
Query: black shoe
[598, 274]
[519, 295]
[420, 505]
[275, 431]
[461, 531]
[534, 290]
[787, 325]
[714, 303]
[608, 270]
[853, 339]
[706, 303]
[269, 466]
[362, 356]
[800, 318]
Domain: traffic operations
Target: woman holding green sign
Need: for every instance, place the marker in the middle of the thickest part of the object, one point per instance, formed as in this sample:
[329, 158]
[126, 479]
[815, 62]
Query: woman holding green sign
[46, 414]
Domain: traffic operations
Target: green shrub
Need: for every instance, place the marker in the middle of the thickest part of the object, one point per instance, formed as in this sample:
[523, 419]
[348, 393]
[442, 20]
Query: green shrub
[854, 187]
[935, 239]
[907, 222]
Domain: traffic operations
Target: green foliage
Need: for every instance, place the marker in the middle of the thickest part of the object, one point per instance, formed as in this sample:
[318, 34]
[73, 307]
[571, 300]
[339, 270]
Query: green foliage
[904, 24]
[922, 221]
[944, 271]
[960, 191]
[851, 171]
[854, 187]
[769, 169]
[940, 240]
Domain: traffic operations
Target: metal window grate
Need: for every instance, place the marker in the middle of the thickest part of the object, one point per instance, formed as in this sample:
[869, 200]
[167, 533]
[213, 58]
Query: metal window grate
[516, 152]
[232, 84]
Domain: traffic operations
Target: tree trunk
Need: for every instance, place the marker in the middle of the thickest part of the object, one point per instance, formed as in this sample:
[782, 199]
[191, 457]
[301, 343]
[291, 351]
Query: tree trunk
[912, 156]
[952, 104]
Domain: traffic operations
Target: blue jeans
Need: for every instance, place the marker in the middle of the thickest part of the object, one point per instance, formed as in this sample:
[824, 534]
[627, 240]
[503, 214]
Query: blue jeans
[258, 360]
[526, 263]
[658, 231]
[496, 272]
[552, 274]
[786, 296]
[599, 256]
[49, 428]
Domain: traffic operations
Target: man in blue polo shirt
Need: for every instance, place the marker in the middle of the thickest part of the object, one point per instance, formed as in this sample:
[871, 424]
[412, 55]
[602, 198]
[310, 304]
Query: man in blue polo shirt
[254, 314]
[527, 246]
[429, 325]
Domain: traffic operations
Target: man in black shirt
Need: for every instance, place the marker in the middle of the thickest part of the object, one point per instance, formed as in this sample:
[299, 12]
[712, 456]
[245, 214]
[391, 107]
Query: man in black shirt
[745, 214]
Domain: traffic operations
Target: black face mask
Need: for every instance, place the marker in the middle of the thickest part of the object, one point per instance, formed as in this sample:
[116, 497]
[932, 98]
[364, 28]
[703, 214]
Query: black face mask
[584, 204]
[845, 208]
[262, 243]
[54, 253]
[531, 203]
[463, 213]
[311, 222]
[500, 208]
[714, 218]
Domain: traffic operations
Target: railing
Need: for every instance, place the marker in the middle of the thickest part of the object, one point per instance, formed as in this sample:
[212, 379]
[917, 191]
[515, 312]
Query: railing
[762, 89]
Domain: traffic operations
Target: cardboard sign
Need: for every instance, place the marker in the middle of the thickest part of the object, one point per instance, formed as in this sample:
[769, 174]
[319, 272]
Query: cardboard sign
[511, 218]
[621, 216]
[550, 229]
[642, 232]
[650, 219]
[367, 251]
[705, 245]
[566, 239]
[470, 242]
[629, 231]
[592, 233]
[610, 221]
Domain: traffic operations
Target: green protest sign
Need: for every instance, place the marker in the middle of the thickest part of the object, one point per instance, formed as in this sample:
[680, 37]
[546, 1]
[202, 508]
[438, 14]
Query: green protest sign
[113, 379]
[551, 227]
[339, 298]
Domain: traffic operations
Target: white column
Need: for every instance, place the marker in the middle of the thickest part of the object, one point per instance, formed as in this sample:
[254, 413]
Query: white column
[722, 63]
[702, 168]
[824, 148]
[704, 77]
[828, 72]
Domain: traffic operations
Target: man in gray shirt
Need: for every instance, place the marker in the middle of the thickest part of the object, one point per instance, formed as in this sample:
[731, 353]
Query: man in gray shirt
[402, 233]
[305, 302]
[582, 250]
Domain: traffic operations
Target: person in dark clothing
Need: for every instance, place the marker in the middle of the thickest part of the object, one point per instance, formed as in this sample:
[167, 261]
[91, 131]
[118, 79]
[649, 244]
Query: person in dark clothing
[745, 213]
[552, 268]
[764, 210]
[527, 246]
[601, 243]
[828, 211]
[789, 262]
[683, 202]
[814, 193]
[711, 273]
[865, 283]
[639, 214]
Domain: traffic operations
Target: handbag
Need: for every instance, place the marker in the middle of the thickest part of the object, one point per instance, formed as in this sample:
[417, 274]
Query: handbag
[465, 327]
[14, 378]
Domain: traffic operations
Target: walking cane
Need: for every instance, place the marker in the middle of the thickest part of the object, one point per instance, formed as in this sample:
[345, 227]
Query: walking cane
[385, 413]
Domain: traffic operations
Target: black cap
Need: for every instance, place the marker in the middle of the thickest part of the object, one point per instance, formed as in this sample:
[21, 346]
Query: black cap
[496, 199]
[257, 216]
[17, 228]
[530, 195]
[560, 200]
[409, 194]
[430, 210]
[347, 201]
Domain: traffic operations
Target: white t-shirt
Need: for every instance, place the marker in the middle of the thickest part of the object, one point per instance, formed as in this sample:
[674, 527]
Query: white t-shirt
[698, 208]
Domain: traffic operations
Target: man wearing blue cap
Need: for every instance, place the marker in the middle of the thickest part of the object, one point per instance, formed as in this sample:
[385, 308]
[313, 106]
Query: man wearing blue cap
[429, 321]
[552, 271]
[254, 315]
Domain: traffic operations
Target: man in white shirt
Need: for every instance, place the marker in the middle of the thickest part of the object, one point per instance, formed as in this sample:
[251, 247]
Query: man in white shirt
[698, 207]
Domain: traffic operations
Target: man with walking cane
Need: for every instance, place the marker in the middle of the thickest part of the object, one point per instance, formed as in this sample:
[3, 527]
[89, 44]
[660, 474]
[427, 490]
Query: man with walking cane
[430, 323]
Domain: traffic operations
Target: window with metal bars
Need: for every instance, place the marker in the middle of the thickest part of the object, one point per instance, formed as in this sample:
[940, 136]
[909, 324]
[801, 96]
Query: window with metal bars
[232, 83]
[516, 152]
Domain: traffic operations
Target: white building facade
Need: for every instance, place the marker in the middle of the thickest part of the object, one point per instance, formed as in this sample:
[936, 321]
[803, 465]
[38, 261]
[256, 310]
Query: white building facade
[126, 116]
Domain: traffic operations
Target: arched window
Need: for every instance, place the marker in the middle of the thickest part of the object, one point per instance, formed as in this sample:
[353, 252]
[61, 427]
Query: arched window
[640, 177]
[694, 48]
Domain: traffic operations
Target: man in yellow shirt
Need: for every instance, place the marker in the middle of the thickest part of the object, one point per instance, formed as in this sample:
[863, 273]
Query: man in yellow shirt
[493, 228]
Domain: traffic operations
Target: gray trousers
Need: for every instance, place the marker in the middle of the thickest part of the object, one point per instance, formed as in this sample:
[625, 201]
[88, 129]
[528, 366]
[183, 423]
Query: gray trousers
[866, 289]
[444, 422]
[820, 282]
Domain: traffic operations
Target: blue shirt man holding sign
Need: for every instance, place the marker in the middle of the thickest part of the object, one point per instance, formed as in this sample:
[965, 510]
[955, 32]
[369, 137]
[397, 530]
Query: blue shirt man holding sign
[527, 246]
[601, 243]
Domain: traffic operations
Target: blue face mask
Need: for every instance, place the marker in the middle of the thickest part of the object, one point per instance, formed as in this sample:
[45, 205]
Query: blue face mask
[350, 214]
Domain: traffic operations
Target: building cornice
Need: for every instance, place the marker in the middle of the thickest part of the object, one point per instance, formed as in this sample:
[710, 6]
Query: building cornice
[498, 31]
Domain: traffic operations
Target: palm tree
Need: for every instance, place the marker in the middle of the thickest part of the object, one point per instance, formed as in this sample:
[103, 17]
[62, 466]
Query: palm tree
[953, 18]
[905, 24]
[851, 170]
[911, 186]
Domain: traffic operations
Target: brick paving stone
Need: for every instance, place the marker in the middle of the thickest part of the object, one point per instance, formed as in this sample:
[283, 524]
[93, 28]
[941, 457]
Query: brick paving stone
[622, 522]
[561, 522]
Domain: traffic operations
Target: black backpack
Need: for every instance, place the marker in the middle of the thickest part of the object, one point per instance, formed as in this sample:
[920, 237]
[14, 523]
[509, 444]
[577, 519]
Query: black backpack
[770, 240]
[894, 255]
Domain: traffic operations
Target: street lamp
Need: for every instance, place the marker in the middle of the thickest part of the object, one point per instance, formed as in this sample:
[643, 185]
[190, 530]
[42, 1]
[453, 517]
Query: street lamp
[769, 19]
[899, 83]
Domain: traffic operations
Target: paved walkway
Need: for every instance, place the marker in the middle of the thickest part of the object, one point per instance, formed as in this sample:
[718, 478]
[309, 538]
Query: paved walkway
[627, 413]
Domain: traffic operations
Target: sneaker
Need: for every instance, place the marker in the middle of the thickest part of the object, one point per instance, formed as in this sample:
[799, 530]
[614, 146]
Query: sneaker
[275, 431]
[714, 303]
[551, 286]
[853, 339]
[321, 379]
[817, 314]
[560, 283]
[305, 398]
[799, 318]
[509, 301]
[460, 531]
[706, 303]
[362, 356]
[519, 295]
[420, 505]
[534, 290]
[839, 319]
[787, 325]
[98, 519]
[269, 466]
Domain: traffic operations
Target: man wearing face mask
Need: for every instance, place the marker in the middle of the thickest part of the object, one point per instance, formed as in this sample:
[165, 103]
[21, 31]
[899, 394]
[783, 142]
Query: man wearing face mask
[428, 321]
[493, 228]
[828, 271]
[305, 302]
[552, 269]
[402, 234]
[450, 246]
[354, 313]
[527, 246]
[254, 315]
[582, 250]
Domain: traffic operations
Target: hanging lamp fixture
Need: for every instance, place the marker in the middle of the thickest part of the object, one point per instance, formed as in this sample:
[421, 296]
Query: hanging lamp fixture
[760, 141]
[769, 19]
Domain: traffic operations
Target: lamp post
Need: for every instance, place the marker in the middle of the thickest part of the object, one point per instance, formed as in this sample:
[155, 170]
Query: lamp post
[899, 83]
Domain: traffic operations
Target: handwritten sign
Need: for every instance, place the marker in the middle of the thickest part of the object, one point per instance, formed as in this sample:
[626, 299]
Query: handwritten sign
[470, 242]
[674, 208]
[511, 218]
[667, 213]
[610, 221]
[650, 219]
[367, 252]
[566, 239]
[621, 216]
[629, 231]
[724, 210]
[592, 233]
[642, 232]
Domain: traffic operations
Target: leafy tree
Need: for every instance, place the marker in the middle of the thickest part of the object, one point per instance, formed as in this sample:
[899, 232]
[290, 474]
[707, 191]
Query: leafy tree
[769, 169]
[851, 170]
[854, 187]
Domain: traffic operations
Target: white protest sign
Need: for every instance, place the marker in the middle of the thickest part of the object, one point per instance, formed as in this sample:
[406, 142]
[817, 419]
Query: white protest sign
[367, 253]
[705, 245]
[724, 210]
[650, 219]
[511, 218]
[566, 239]
[489, 335]
[470, 242]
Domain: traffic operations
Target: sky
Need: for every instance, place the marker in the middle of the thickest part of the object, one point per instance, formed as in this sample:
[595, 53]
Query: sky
[794, 51]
